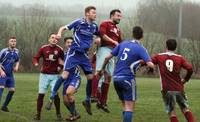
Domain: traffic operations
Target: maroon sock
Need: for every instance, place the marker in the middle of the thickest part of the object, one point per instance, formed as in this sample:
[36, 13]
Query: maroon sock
[57, 104]
[189, 116]
[98, 94]
[95, 82]
[40, 103]
[104, 95]
[173, 119]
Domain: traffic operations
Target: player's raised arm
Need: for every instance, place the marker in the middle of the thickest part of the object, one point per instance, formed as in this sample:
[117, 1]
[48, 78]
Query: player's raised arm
[60, 31]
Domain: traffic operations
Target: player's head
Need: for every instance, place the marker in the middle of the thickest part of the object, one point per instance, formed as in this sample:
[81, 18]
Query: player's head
[90, 13]
[137, 32]
[52, 39]
[12, 42]
[68, 41]
[115, 16]
[171, 44]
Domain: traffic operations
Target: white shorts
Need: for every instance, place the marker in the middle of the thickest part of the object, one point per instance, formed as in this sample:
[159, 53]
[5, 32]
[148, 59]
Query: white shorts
[47, 80]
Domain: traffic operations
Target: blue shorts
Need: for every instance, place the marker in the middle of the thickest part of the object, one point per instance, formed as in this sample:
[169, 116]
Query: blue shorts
[8, 82]
[126, 90]
[75, 82]
[75, 58]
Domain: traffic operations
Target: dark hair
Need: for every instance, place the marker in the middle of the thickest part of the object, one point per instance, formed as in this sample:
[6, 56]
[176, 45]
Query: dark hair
[113, 12]
[137, 32]
[87, 9]
[171, 44]
[66, 38]
[52, 34]
[12, 37]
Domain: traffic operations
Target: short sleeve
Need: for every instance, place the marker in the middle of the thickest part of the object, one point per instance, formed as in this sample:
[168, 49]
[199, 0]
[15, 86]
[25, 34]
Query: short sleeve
[144, 55]
[73, 24]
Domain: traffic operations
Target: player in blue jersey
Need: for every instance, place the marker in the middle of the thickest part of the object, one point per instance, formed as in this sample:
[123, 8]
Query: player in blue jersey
[70, 86]
[83, 31]
[9, 62]
[129, 54]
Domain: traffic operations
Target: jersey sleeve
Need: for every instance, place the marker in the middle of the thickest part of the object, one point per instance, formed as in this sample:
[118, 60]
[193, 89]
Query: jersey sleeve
[115, 51]
[186, 65]
[1, 56]
[144, 55]
[154, 59]
[102, 29]
[36, 58]
[73, 24]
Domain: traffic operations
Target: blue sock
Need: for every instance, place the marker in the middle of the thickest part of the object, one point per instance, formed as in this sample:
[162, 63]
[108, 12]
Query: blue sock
[8, 98]
[127, 116]
[56, 87]
[88, 90]
[1, 92]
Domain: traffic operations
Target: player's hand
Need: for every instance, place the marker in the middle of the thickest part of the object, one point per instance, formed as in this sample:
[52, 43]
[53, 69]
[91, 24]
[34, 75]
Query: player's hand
[183, 81]
[97, 41]
[2, 74]
[15, 69]
[58, 36]
[36, 64]
[115, 43]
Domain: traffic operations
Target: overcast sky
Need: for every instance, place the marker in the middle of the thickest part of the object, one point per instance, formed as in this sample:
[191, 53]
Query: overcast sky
[121, 4]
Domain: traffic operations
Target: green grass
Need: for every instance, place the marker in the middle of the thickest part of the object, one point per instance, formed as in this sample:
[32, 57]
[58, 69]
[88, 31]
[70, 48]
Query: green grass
[149, 106]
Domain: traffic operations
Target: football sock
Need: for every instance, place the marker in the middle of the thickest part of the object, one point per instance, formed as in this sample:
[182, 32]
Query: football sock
[104, 94]
[40, 103]
[127, 116]
[57, 104]
[88, 90]
[94, 85]
[173, 119]
[1, 92]
[72, 108]
[8, 98]
[56, 87]
[189, 116]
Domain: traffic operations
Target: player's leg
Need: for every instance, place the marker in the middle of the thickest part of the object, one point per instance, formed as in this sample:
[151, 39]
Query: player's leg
[70, 100]
[10, 84]
[56, 97]
[43, 87]
[169, 100]
[87, 68]
[2, 86]
[95, 82]
[183, 104]
[130, 96]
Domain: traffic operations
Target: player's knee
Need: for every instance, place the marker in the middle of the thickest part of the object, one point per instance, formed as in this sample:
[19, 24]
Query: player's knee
[12, 90]
[184, 110]
[2, 87]
[172, 113]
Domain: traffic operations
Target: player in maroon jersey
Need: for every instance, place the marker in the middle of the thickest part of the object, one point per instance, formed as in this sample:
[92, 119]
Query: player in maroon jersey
[51, 55]
[110, 37]
[172, 86]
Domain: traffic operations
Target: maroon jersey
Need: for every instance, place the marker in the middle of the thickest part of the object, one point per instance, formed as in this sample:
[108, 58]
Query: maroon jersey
[111, 30]
[50, 55]
[170, 65]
